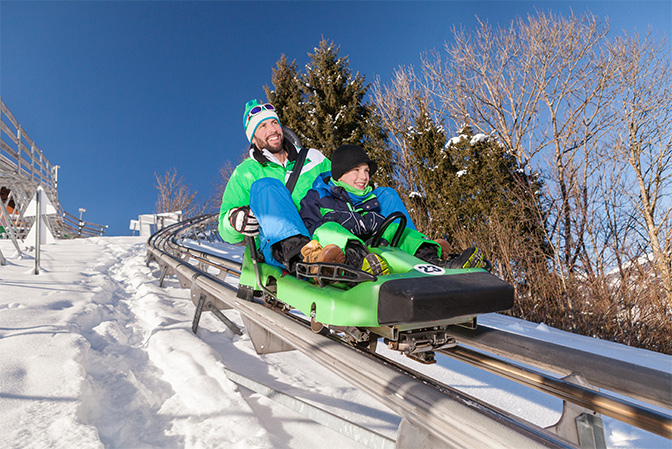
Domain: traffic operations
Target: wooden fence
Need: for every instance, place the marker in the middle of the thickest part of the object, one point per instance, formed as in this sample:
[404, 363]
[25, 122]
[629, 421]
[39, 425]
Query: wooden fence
[23, 168]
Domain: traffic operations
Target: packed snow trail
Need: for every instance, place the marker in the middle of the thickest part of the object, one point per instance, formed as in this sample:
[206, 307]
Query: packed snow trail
[96, 354]
[139, 368]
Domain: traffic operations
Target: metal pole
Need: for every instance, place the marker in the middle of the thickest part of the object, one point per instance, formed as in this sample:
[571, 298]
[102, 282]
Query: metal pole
[37, 231]
[81, 223]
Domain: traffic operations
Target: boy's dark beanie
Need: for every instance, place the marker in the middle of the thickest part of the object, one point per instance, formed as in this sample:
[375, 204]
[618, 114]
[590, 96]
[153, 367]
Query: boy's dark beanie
[347, 157]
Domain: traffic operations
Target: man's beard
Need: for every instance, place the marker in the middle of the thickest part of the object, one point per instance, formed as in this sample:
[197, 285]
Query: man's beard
[273, 149]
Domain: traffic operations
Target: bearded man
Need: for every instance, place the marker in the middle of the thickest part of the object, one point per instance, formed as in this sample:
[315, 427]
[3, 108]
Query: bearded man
[256, 201]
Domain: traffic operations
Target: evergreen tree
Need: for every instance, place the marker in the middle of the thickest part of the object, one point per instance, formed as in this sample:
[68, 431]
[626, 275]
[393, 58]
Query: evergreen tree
[325, 106]
[488, 180]
[287, 95]
[431, 174]
[482, 196]
[374, 142]
[333, 99]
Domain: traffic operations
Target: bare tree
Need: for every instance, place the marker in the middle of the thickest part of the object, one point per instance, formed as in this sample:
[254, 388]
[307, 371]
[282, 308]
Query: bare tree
[543, 87]
[593, 116]
[175, 195]
[642, 145]
[225, 172]
[400, 107]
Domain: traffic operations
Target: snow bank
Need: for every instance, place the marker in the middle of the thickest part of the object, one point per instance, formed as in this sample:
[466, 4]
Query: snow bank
[95, 354]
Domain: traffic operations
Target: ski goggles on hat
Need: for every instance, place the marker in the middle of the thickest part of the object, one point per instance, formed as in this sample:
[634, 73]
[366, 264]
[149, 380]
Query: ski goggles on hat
[257, 109]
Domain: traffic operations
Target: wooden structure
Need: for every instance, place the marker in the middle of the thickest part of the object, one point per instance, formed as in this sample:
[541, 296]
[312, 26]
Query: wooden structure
[23, 168]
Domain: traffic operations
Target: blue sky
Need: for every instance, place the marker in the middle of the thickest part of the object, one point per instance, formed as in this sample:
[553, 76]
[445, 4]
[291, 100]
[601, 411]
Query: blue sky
[114, 92]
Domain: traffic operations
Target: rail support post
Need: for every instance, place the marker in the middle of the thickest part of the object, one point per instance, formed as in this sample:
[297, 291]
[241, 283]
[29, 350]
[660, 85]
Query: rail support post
[197, 314]
[580, 425]
[204, 304]
[590, 428]
[164, 271]
[230, 324]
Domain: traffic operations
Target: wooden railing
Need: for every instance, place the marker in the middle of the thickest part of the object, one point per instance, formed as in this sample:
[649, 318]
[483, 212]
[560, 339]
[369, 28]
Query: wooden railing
[75, 227]
[23, 156]
[23, 167]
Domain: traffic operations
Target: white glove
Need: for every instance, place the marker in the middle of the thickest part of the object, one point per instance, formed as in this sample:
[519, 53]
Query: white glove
[243, 220]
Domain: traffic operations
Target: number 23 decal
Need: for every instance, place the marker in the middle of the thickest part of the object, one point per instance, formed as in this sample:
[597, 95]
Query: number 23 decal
[429, 269]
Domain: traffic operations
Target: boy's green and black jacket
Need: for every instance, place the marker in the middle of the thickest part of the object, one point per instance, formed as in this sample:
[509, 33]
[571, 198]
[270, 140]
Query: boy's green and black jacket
[358, 211]
[336, 213]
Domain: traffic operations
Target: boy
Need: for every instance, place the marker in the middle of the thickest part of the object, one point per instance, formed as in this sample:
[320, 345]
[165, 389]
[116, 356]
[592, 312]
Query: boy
[344, 210]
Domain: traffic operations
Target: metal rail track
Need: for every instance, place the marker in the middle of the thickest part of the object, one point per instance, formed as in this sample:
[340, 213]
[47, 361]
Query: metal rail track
[622, 410]
[205, 273]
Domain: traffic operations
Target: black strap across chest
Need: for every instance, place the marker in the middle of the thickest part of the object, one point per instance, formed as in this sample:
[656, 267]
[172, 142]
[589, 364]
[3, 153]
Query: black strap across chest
[296, 171]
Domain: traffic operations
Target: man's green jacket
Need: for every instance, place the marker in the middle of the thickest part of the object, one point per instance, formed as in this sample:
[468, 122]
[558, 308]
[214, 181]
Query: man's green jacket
[262, 164]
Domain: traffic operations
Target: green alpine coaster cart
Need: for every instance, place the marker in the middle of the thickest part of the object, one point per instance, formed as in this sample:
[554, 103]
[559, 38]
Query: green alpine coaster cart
[411, 308]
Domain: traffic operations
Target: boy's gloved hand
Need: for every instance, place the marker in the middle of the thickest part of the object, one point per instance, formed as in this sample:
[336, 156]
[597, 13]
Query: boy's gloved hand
[243, 220]
[372, 221]
[350, 220]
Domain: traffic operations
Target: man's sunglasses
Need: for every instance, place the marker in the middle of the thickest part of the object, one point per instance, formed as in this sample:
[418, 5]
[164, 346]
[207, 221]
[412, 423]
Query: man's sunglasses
[257, 109]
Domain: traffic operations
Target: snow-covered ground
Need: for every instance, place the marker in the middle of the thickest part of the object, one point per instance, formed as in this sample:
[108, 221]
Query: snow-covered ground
[93, 353]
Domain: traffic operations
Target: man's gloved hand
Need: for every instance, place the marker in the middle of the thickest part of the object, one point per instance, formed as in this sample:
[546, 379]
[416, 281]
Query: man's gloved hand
[243, 220]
